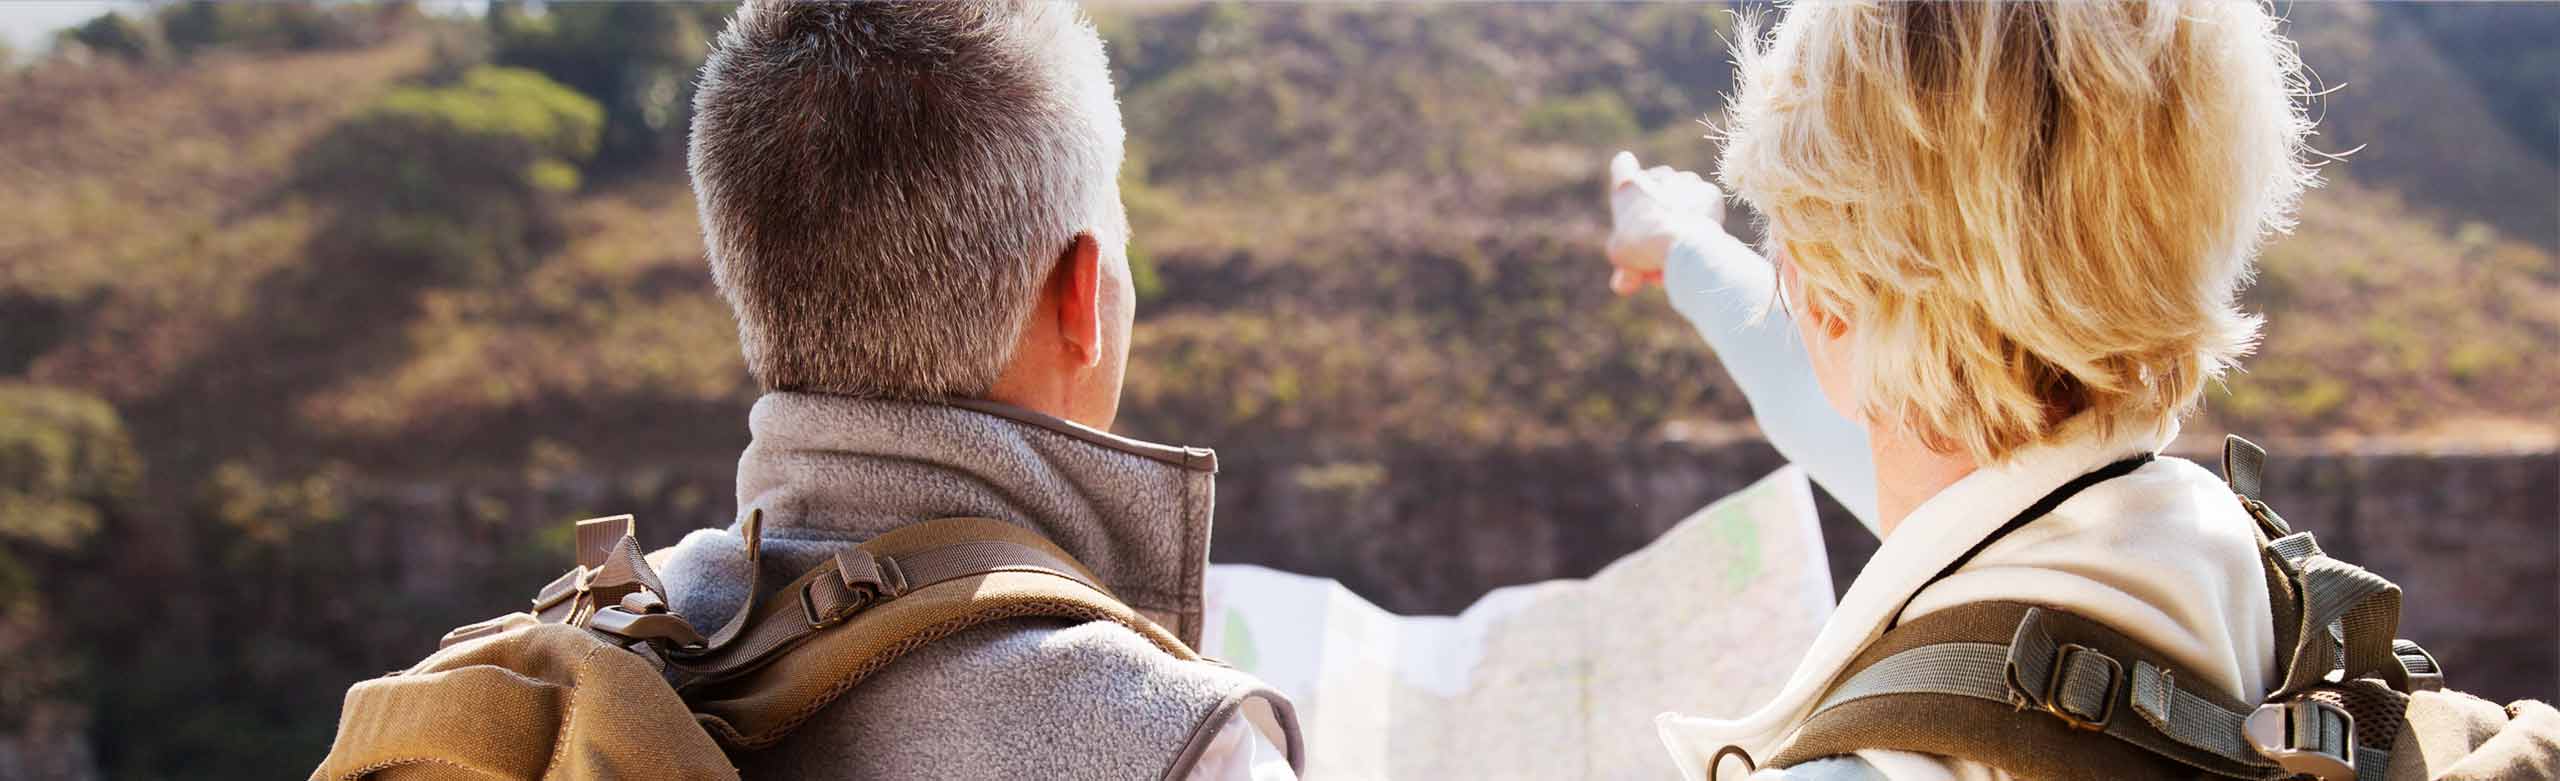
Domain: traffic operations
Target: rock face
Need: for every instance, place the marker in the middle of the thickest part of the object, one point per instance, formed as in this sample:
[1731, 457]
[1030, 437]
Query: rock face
[2473, 540]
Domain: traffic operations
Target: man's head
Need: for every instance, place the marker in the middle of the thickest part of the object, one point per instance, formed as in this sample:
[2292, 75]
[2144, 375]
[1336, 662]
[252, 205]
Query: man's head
[1994, 216]
[918, 201]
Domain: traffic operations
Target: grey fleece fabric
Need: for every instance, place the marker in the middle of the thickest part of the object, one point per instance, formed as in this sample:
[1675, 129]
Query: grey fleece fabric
[1018, 699]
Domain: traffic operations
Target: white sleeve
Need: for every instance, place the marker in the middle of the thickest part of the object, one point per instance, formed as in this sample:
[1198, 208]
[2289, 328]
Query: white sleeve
[1720, 285]
[1241, 753]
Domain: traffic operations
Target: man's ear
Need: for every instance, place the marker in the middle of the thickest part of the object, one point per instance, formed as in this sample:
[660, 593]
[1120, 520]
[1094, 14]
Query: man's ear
[1077, 284]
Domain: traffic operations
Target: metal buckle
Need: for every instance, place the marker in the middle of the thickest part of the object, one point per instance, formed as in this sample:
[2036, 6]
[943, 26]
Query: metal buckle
[809, 609]
[2288, 734]
[2053, 688]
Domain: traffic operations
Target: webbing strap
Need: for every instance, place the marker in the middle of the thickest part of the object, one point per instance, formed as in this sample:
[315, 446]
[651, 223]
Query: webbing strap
[2244, 466]
[1977, 670]
[2185, 717]
[612, 590]
[2080, 685]
[1961, 669]
[752, 529]
[2364, 607]
[854, 580]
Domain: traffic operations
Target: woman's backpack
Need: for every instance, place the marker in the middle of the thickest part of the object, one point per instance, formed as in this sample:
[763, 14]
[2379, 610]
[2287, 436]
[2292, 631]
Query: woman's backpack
[2041, 693]
[601, 680]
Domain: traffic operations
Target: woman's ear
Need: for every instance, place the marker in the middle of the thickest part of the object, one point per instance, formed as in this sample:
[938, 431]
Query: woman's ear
[1076, 284]
[1801, 307]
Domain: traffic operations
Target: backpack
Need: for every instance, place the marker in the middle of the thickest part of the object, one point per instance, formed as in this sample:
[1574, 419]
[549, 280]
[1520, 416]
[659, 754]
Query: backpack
[2043, 693]
[601, 680]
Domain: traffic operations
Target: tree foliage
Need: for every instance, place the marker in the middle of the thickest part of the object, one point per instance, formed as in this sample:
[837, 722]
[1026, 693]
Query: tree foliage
[458, 182]
[119, 36]
[64, 459]
[635, 59]
[66, 463]
[197, 25]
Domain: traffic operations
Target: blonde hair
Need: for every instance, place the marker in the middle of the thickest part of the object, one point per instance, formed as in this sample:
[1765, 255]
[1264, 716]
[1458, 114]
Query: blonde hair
[2029, 211]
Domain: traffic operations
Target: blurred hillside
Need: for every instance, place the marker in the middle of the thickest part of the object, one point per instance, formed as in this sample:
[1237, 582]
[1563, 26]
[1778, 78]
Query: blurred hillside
[315, 323]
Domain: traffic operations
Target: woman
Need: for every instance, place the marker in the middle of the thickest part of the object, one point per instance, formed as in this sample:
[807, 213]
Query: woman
[2005, 241]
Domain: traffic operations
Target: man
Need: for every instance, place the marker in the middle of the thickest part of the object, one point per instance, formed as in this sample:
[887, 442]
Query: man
[912, 210]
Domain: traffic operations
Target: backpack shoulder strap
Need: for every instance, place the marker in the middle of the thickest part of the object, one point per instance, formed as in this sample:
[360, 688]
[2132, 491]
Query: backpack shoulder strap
[2028, 688]
[2025, 688]
[825, 632]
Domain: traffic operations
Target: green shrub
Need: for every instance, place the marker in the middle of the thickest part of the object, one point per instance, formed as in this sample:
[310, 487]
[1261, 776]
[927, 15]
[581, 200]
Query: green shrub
[1592, 118]
[63, 456]
[459, 181]
[115, 35]
[194, 26]
[636, 60]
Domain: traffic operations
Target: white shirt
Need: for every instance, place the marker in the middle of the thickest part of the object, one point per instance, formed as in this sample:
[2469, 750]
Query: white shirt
[1241, 752]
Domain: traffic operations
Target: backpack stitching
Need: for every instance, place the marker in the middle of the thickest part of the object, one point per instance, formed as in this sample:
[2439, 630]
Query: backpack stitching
[569, 714]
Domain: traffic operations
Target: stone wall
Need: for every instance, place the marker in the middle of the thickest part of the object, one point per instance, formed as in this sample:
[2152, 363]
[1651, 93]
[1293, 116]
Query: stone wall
[2473, 539]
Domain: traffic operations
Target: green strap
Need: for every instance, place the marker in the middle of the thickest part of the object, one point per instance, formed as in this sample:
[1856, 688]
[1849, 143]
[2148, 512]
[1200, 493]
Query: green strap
[2185, 717]
[2074, 683]
[1961, 669]
[2363, 608]
[2244, 465]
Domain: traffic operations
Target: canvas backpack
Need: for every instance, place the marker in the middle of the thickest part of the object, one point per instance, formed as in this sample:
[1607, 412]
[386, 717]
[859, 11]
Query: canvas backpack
[2042, 693]
[601, 680]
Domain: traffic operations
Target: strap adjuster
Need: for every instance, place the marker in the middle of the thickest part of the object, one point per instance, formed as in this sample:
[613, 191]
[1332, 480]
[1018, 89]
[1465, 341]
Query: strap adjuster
[2424, 673]
[877, 577]
[2305, 737]
[821, 618]
[2078, 684]
[2057, 699]
[864, 580]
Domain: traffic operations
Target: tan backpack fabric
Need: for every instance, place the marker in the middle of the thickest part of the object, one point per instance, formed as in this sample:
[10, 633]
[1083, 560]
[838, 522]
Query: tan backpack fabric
[2041, 693]
[600, 680]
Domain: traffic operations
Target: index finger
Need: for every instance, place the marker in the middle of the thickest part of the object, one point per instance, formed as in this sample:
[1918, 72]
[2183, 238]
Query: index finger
[1623, 168]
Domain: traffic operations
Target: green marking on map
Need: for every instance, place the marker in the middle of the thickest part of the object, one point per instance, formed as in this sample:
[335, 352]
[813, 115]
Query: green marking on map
[1239, 649]
[1740, 539]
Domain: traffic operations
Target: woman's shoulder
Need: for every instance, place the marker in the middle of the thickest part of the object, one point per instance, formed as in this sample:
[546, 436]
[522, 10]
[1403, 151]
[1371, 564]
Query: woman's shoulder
[2165, 554]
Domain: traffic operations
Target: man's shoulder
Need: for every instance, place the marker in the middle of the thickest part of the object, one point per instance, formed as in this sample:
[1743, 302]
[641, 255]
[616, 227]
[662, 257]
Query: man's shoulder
[1054, 657]
[1026, 697]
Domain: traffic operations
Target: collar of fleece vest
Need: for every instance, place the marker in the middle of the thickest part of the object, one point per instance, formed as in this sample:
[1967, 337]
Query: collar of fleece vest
[831, 471]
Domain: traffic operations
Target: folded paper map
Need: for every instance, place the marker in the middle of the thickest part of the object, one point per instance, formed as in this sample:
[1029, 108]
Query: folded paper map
[1554, 680]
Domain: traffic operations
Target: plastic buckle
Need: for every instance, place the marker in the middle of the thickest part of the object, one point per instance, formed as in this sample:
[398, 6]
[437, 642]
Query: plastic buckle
[2424, 674]
[2053, 688]
[2288, 733]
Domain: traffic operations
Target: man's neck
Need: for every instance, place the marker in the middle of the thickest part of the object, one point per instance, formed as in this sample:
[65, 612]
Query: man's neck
[1909, 473]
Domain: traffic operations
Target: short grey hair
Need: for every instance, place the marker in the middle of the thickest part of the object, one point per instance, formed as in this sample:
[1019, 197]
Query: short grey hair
[884, 187]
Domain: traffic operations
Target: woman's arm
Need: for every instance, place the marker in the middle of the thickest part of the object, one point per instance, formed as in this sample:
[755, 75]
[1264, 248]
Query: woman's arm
[1721, 286]
[1666, 225]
